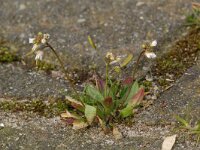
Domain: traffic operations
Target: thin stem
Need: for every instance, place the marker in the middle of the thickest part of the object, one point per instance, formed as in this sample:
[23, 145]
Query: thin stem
[107, 65]
[63, 69]
[137, 63]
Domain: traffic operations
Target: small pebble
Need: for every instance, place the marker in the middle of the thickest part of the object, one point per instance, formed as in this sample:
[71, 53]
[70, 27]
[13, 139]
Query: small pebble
[140, 4]
[149, 78]
[81, 20]
[22, 7]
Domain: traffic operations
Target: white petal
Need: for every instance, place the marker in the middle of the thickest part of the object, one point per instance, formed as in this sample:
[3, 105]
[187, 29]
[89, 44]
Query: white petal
[150, 55]
[149, 78]
[154, 43]
[169, 142]
[1, 125]
[46, 36]
[115, 61]
[31, 40]
[39, 55]
[43, 41]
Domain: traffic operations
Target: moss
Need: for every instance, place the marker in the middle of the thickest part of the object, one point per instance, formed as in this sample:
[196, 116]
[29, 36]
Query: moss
[180, 57]
[162, 82]
[47, 109]
[46, 66]
[170, 65]
[146, 84]
[6, 55]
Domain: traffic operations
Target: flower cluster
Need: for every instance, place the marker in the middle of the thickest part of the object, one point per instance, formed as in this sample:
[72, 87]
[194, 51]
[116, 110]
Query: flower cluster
[111, 59]
[148, 50]
[37, 42]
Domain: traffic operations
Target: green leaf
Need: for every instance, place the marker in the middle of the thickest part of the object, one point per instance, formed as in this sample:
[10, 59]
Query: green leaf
[137, 98]
[94, 93]
[91, 42]
[123, 94]
[90, 113]
[100, 110]
[133, 91]
[181, 120]
[197, 127]
[127, 60]
[113, 90]
[115, 87]
[127, 111]
[195, 132]
[123, 91]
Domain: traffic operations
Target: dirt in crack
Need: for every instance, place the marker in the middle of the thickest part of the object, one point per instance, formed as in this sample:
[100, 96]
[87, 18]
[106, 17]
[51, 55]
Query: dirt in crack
[178, 59]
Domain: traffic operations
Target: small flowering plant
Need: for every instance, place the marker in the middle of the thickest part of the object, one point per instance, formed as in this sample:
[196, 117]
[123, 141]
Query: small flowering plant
[41, 42]
[108, 100]
[104, 101]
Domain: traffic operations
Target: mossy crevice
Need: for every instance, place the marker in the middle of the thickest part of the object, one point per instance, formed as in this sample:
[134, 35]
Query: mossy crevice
[44, 108]
[179, 58]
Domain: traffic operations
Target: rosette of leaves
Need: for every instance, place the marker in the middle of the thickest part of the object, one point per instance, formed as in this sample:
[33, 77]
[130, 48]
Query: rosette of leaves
[94, 107]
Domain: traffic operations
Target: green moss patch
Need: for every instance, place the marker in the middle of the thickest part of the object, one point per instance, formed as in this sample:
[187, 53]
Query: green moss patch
[6, 55]
[179, 58]
[47, 109]
[46, 66]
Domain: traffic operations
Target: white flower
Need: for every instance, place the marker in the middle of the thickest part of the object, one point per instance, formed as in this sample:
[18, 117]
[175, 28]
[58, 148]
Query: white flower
[45, 38]
[110, 56]
[153, 43]
[39, 55]
[150, 55]
[31, 40]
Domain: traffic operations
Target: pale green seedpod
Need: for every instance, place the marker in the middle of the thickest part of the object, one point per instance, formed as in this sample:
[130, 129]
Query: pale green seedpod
[127, 60]
[91, 42]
